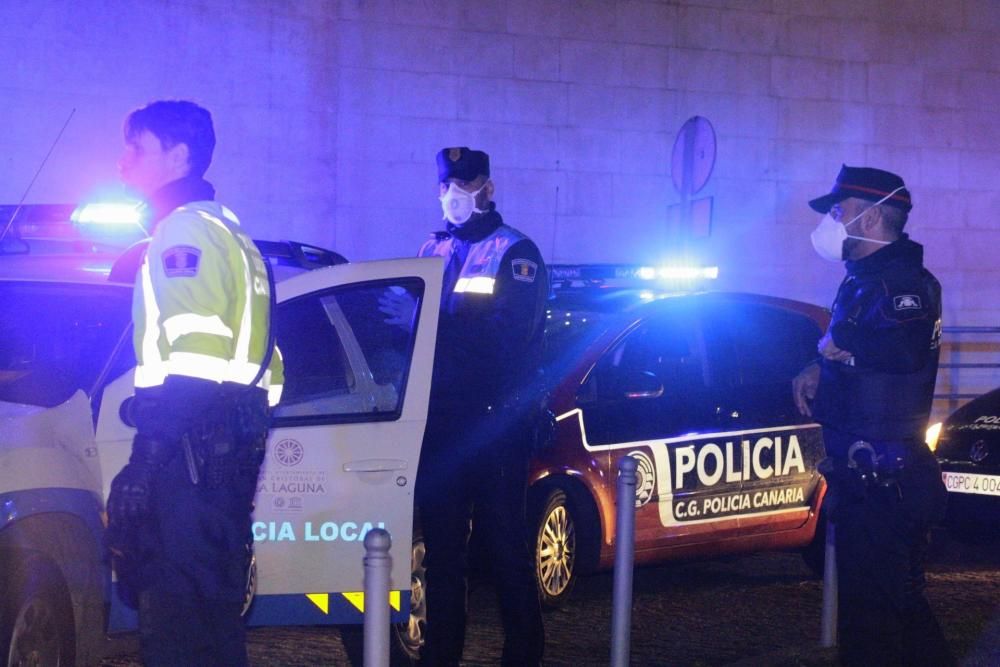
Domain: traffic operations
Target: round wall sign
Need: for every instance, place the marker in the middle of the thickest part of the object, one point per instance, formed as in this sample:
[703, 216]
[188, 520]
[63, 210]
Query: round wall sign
[693, 156]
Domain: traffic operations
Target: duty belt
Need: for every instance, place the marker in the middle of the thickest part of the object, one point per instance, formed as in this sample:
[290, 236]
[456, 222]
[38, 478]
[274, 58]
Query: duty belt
[877, 469]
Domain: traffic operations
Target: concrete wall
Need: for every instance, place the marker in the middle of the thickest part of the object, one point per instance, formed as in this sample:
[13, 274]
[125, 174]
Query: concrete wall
[329, 115]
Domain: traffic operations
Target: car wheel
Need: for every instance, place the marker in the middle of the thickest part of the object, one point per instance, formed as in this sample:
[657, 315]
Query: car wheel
[36, 620]
[556, 549]
[409, 636]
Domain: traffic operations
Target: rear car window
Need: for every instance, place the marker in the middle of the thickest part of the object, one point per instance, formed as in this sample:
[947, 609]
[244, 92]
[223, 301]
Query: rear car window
[55, 339]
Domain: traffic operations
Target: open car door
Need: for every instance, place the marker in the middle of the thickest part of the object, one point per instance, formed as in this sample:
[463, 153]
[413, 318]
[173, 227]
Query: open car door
[344, 443]
[345, 440]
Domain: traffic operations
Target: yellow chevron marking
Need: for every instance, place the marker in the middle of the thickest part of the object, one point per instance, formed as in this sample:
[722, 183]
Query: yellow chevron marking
[358, 600]
[321, 600]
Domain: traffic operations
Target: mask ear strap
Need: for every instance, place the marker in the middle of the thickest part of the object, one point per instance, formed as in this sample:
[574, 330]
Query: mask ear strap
[858, 217]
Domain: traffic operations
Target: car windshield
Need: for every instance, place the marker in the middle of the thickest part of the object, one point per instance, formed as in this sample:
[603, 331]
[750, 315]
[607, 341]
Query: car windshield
[55, 339]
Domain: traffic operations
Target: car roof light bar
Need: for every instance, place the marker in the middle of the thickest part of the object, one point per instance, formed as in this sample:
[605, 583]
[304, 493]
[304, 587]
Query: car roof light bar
[627, 275]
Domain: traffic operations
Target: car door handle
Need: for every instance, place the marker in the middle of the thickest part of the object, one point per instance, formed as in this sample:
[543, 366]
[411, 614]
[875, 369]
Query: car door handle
[375, 465]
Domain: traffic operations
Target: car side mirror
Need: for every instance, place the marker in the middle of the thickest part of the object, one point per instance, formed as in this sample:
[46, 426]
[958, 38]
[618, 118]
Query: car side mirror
[641, 384]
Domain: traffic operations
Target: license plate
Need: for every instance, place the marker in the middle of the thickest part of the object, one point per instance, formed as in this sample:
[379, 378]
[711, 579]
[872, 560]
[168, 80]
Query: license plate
[967, 482]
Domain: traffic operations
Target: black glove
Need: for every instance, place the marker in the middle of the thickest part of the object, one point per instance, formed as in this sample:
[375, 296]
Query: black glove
[130, 493]
[131, 489]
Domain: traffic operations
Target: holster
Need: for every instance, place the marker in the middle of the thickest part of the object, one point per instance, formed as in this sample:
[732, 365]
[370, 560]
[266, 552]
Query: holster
[230, 443]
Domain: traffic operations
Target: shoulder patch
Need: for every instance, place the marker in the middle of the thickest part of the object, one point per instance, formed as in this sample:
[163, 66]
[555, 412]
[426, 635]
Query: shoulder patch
[906, 302]
[180, 261]
[524, 270]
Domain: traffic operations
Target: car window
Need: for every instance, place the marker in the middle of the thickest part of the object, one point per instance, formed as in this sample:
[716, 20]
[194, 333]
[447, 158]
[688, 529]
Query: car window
[55, 339]
[654, 383]
[343, 361]
[758, 349]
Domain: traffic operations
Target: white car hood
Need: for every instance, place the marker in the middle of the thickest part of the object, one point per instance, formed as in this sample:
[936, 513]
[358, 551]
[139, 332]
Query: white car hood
[48, 447]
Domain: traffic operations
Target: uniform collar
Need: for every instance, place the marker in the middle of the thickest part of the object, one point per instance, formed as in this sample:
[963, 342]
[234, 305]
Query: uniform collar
[177, 193]
[478, 228]
[900, 251]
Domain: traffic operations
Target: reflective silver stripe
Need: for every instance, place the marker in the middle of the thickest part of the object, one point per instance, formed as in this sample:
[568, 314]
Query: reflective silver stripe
[274, 394]
[477, 285]
[241, 350]
[195, 365]
[241, 347]
[152, 376]
[151, 371]
[180, 325]
[207, 216]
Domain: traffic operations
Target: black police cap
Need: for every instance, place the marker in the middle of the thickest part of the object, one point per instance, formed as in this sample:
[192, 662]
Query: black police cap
[864, 183]
[462, 163]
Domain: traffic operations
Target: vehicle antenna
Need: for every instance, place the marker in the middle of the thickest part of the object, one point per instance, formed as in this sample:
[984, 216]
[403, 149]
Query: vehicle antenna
[17, 209]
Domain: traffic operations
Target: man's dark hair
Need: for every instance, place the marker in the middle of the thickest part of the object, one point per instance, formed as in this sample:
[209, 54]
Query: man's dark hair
[177, 122]
[894, 218]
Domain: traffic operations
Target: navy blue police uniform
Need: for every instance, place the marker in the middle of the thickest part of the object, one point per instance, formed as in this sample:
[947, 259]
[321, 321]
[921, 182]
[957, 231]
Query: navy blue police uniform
[885, 488]
[476, 447]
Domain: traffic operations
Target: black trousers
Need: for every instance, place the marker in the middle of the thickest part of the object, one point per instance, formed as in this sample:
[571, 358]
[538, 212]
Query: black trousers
[882, 533]
[477, 465]
[191, 585]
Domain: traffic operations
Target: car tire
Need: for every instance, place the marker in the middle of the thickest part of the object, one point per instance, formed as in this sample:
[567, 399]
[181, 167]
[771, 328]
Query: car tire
[408, 638]
[36, 618]
[556, 548]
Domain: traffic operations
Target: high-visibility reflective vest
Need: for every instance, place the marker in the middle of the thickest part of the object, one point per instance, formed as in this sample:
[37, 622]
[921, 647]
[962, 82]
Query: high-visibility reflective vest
[201, 304]
[479, 272]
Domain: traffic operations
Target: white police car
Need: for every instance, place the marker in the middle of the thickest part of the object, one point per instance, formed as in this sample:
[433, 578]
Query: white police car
[342, 454]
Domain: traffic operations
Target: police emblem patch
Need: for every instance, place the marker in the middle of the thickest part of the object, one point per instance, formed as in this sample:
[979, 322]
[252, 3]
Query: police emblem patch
[524, 270]
[645, 477]
[906, 302]
[181, 261]
[455, 154]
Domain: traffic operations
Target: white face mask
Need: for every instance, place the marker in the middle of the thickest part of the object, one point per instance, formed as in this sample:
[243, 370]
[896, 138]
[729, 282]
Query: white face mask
[459, 205]
[829, 236]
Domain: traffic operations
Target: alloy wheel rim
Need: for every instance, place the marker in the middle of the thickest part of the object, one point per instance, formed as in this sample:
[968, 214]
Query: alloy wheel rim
[556, 551]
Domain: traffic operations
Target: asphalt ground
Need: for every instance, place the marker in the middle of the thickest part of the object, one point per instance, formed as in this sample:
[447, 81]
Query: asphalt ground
[762, 609]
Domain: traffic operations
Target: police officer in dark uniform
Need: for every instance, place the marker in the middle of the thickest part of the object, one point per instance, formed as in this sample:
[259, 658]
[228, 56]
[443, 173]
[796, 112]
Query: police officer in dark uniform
[179, 511]
[872, 389]
[484, 393]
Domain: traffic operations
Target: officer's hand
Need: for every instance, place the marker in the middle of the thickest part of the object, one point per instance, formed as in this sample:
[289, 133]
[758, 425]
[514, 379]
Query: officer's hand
[130, 495]
[804, 388]
[830, 351]
[399, 306]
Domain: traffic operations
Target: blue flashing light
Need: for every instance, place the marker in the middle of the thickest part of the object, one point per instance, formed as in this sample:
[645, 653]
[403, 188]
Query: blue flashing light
[679, 272]
[109, 213]
[689, 272]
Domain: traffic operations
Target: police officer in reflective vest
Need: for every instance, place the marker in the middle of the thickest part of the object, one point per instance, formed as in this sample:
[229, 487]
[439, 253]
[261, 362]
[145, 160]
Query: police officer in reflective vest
[484, 391]
[179, 511]
[871, 389]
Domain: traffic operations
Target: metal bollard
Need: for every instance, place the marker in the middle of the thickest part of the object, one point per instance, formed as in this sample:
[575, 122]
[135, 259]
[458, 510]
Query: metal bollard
[377, 568]
[828, 633]
[621, 609]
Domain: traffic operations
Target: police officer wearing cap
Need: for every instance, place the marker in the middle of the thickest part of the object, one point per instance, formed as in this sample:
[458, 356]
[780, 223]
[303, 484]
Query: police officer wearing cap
[484, 391]
[871, 389]
[179, 511]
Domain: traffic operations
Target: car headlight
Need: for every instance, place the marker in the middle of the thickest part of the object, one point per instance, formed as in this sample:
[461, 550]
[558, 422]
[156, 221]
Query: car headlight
[933, 433]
